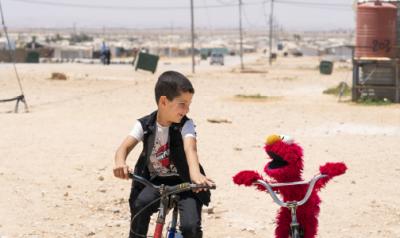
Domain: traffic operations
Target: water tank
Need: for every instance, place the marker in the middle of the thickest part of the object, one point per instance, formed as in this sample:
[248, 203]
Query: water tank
[376, 30]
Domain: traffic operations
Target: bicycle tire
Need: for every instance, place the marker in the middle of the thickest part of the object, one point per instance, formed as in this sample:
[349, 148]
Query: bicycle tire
[295, 232]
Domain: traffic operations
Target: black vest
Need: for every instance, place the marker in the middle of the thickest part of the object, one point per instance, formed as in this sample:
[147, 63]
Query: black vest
[177, 154]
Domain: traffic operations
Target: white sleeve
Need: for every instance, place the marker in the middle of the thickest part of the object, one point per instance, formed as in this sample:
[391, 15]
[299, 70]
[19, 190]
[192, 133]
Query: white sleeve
[188, 130]
[137, 131]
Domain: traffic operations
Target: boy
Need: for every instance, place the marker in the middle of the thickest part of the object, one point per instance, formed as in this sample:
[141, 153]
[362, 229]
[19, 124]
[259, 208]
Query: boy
[169, 156]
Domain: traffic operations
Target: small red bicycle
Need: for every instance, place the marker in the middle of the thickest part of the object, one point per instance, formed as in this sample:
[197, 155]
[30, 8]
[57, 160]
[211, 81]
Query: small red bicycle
[295, 230]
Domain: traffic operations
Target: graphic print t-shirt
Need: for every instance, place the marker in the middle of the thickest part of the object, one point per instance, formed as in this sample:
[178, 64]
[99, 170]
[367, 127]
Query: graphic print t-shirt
[160, 164]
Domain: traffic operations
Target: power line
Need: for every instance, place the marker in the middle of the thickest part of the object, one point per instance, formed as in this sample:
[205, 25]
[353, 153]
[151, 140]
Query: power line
[325, 6]
[314, 4]
[128, 8]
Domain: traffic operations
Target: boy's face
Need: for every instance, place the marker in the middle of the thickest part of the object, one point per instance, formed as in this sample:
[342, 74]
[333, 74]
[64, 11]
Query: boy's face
[176, 109]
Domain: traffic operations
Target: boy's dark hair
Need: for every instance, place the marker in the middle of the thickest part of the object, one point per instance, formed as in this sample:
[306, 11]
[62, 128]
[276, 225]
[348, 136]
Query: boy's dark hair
[171, 84]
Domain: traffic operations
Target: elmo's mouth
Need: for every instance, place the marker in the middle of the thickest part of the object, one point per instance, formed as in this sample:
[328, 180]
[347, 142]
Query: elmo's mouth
[277, 161]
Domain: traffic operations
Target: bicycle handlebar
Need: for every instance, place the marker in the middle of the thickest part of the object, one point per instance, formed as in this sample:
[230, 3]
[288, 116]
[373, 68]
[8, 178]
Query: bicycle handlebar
[310, 188]
[170, 189]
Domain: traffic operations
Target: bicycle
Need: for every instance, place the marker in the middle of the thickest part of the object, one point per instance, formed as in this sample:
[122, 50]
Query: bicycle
[295, 230]
[168, 201]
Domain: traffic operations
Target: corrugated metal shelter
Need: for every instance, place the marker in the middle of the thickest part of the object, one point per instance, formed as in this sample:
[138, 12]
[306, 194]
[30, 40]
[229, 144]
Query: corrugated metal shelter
[73, 52]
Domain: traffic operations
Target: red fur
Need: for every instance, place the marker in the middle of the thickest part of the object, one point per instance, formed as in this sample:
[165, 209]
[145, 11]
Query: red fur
[306, 214]
[247, 178]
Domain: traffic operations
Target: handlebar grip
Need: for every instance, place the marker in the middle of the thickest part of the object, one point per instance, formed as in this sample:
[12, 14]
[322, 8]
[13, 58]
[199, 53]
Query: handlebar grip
[204, 186]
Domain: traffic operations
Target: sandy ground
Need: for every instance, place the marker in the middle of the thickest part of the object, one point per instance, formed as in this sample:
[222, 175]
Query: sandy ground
[56, 161]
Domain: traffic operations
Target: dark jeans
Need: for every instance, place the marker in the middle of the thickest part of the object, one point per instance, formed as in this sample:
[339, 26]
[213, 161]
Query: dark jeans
[189, 211]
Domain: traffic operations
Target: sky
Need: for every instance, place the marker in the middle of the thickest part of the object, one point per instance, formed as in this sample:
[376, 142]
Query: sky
[208, 14]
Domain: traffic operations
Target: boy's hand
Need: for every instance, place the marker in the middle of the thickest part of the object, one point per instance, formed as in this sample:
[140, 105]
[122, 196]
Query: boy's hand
[201, 180]
[121, 171]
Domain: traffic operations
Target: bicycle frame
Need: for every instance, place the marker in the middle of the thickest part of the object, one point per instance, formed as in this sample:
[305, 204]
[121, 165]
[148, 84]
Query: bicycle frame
[167, 203]
[168, 200]
[173, 204]
[291, 205]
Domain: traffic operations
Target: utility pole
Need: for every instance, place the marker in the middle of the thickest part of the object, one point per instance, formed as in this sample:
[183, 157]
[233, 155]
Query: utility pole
[241, 35]
[170, 40]
[271, 17]
[104, 33]
[192, 26]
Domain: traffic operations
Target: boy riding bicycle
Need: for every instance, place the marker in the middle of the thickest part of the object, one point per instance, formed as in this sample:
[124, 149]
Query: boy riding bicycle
[169, 157]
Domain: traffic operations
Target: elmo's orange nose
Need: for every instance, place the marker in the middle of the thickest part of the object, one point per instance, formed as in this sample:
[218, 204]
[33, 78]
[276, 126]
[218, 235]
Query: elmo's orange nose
[272, 139]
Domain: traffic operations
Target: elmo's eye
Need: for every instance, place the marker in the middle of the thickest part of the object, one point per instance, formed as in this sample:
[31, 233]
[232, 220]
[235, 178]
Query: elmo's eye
[287, 139]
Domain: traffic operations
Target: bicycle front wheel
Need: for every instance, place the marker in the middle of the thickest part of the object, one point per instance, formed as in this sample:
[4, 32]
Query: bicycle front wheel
[295, 232]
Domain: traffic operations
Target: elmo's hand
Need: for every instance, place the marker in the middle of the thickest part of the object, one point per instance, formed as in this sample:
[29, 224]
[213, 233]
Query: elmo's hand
[333, 169]
[246, 178]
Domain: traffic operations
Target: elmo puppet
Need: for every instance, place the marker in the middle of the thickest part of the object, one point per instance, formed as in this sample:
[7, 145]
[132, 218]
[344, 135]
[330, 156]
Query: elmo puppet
[285, 166]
